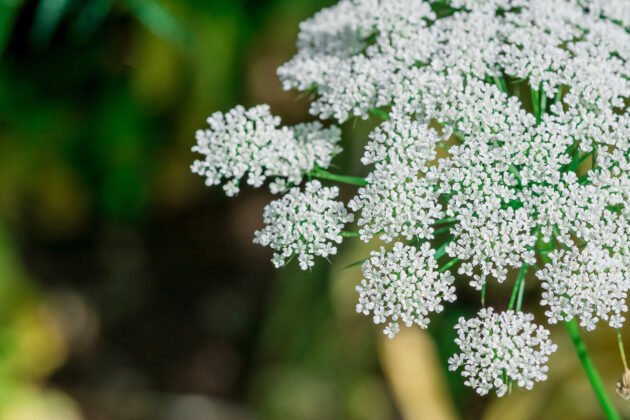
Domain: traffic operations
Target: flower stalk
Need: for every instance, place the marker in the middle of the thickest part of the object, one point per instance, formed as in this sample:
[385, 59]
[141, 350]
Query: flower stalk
[591, 371]
[344, 179]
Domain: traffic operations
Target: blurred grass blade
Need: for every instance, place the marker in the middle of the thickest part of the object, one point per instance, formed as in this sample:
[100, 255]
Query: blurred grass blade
[159, 21]
[89, 19]
[47, 18]
[8, 11]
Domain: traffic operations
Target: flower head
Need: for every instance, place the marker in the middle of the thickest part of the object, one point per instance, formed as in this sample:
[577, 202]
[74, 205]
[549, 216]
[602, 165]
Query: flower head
[506, 127]
[306, 224]
[403, 285]
[252, 142]
[590, 284]
[495, 347]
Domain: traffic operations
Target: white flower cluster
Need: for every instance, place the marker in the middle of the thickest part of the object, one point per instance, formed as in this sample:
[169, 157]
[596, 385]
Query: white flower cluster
[355, 53]
[506, 137]
[251, 141]
[590, 284]
[397, 202]
[306, 224]
[349, 51]
[403, 284]
[500, 347]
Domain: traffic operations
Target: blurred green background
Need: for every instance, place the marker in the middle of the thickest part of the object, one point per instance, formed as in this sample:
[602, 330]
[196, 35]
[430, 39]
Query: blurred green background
[128, 290]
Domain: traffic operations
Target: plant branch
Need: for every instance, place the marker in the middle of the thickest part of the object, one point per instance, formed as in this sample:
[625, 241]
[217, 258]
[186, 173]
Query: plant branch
[591, 371]
[344, 179]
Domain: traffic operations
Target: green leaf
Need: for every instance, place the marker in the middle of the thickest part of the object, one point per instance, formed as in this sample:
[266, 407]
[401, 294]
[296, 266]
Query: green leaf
[89, 19]
[47, 18]
[8, 12]
[159, 21]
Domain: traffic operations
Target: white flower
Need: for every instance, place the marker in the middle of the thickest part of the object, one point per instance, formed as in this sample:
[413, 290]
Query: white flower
[497, 347]
[349, 52]
[251, 141]
[306, 224]
[403, 143]
[591, 285]
[391, 207]
[403, 285]
[492, 240]
[399, 200]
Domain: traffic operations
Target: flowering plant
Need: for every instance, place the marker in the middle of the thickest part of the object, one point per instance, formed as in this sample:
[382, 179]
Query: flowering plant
[503, 147]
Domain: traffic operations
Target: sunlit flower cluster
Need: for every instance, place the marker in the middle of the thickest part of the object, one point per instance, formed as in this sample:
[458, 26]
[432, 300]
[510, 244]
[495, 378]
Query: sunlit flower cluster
[403, 284]
[499, 347]
[503, 140]
[305, 224]
[589, 284]
[252, 142]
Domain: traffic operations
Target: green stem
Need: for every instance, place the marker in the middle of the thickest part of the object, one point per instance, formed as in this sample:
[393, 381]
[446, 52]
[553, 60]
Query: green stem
[558, 97]
[345, 179]
[383, 115]
[441, 230]
[536, 104]
[591, 371]
[621, 349]
[500, 82]
[439, 253]
[514, 171]
[346, 234]
[445, 220]
[519, 298]
[518, 286]
[448, 265]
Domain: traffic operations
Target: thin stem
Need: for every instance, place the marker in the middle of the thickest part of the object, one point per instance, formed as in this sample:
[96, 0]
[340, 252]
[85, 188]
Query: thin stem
[448, 265]
[622, 352]
[346, 234]
[558, 97]
[354, 264]
[344, 179]
[536, 104]
[517, 287]
[514, 171]
[383, 115]
[445, 220]
[591, 371]
[439, 253]
[500, 82]
[441, 230]
[483, 294]
[521, 290]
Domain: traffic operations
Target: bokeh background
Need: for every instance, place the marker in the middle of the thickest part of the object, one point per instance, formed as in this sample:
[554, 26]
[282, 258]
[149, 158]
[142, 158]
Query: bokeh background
[130, 291]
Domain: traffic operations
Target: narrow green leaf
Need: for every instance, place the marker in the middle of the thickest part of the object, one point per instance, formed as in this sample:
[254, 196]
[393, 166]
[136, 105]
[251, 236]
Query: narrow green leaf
[89, 19]
[8, 13]
[47, 18]
[159, 21]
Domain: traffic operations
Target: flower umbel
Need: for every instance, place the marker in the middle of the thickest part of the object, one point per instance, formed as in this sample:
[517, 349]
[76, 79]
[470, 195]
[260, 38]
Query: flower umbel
[497, 347]
[589, 284]
[251, 141]
[502, 146]
[403, 285]
[306, 224]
